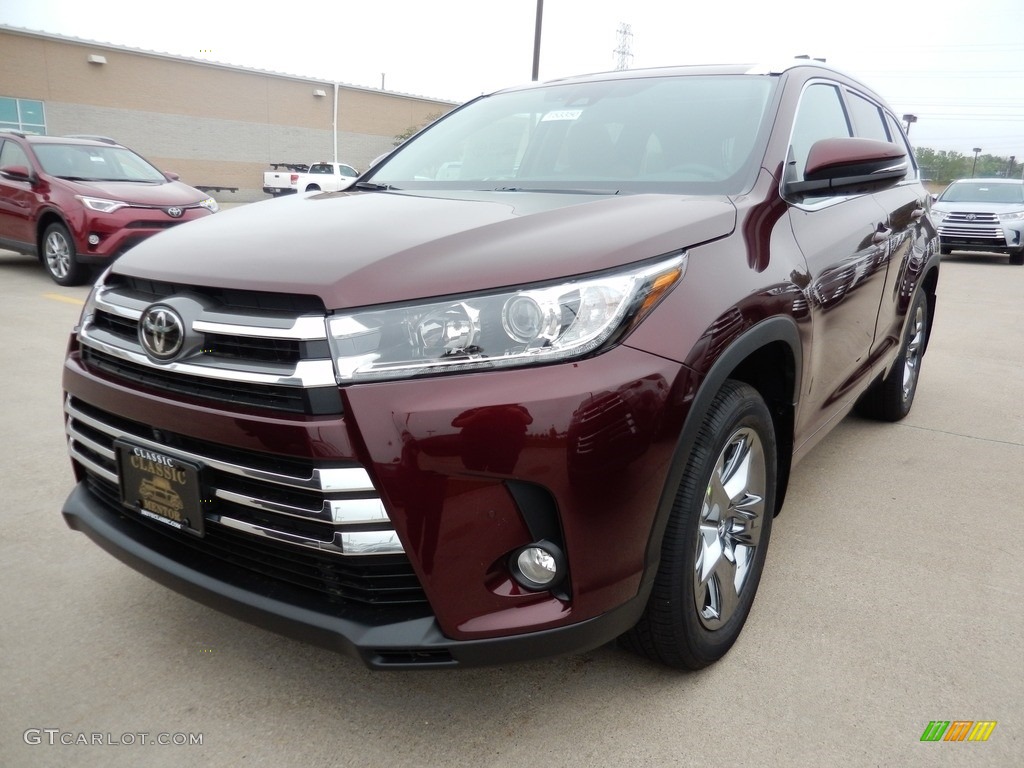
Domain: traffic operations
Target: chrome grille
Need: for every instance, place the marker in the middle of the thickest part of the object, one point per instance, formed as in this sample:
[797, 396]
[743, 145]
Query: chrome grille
[971, 218]
[252, 349]
[966, 225]
[319, 527]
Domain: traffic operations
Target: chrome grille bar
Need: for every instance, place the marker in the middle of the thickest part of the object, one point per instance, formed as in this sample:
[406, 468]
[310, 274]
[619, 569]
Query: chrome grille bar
[349, 502]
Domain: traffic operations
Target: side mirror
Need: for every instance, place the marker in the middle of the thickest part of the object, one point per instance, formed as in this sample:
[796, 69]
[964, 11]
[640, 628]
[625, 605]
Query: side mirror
[16, 172]
[171, 176]
[849, 166]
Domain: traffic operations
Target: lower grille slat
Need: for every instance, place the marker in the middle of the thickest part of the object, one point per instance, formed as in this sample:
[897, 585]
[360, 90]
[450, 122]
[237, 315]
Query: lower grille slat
[341, 577]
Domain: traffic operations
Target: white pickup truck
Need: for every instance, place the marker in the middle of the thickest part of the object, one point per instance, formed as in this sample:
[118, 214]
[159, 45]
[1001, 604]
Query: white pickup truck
[281, 180]
[324, 177]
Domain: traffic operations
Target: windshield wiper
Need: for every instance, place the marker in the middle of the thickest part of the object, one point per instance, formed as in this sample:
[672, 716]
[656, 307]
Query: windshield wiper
[558, 191]
[373, 186]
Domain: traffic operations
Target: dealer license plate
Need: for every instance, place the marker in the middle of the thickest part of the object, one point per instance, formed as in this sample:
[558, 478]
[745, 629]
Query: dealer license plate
[161, 487]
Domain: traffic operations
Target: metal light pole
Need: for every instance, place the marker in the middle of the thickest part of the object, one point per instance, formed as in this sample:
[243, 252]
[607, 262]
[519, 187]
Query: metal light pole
[536, 39]
[976, 151]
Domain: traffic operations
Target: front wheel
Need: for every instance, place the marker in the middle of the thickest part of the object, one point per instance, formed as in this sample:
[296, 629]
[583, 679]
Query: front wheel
[1017, 258]
[716, 540]
[59, 257]
[891, 398]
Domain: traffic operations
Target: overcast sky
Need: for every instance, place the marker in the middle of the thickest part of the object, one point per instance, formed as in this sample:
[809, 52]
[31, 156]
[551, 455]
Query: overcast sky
[959, 66]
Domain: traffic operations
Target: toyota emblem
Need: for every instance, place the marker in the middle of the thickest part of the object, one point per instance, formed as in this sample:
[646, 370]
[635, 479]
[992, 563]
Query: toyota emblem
[161, 332]
[175, 212]
[970, 217]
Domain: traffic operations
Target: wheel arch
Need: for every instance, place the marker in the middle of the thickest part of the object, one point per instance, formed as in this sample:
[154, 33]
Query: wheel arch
[46, 218]
[768, 357]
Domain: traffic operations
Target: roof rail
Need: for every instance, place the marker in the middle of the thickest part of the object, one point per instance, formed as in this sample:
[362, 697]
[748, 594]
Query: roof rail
[92, 137]
[19, 134]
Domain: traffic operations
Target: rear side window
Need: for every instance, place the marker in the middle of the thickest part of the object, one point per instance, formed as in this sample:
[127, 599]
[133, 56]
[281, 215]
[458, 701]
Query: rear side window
[867, 117]
[899, 138]
[820, 116]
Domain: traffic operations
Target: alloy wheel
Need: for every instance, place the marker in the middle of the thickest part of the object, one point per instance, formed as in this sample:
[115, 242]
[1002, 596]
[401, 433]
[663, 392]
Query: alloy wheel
[730, 528]
[912, 358]
[58, 255]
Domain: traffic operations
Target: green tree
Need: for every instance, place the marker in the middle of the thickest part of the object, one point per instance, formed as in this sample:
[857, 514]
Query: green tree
[943, 166]
[409, 132]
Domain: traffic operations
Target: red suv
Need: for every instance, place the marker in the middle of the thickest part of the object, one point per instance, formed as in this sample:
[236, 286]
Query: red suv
[78, 202]
[535, 382]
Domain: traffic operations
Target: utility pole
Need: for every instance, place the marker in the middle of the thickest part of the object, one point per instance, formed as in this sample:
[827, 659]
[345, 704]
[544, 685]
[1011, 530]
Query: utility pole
[536, 39]
[976, 150]
[624, 49]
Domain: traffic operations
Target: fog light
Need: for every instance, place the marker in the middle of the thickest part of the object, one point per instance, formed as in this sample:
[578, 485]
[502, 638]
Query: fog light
[94, 239]
[538, 566]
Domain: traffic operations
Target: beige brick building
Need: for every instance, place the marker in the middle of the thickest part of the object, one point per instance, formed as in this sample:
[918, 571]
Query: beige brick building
[211, 123]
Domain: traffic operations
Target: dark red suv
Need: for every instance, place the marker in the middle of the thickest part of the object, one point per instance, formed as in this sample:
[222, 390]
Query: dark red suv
[534, 383]
[79, 202]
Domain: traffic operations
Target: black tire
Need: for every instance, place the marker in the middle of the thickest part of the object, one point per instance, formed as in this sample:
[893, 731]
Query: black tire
[692, 620]
[1017, 258]
[945, 250]
[891, 398]
[57, 252]
[313, 188]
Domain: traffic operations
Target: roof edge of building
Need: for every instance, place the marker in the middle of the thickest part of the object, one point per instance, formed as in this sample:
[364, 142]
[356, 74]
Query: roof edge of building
[25, 32]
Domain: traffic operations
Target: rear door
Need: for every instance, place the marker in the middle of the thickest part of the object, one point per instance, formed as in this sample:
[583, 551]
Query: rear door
[843, 240]
[909, 236]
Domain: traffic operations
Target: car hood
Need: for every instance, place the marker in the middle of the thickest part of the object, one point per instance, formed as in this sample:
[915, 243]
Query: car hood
[361, 248]
[169, 193]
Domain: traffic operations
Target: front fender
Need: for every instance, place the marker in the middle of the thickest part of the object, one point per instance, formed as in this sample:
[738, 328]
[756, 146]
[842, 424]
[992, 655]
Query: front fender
[741, 359]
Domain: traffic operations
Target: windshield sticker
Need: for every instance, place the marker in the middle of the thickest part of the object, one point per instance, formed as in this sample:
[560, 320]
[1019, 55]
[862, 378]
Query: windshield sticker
[562, 114]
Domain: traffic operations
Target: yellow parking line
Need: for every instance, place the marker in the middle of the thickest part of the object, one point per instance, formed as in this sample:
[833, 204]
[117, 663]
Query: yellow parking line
[65, 299]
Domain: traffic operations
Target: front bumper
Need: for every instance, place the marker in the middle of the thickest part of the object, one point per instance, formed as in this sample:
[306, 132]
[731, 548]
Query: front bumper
[412, 641]
[994, 238]
[468, 469]
[125, 228]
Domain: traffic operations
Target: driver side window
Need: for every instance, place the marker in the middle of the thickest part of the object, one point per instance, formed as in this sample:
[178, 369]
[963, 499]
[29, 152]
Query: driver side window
[12, 154]
[820, 116]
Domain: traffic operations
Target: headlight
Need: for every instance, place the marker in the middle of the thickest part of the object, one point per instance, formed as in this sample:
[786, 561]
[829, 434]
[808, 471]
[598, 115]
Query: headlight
[100, 204]
[938, 216]
[89, 309]
[1015, 216]
[210, 204]
[532, 325]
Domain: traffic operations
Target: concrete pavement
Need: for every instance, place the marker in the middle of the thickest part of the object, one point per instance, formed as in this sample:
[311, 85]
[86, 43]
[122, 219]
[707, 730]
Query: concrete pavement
[891, 598]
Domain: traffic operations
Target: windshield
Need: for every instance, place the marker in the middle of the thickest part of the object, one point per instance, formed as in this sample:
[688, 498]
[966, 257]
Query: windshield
[982, 192]
[677, 133]
[83, 162]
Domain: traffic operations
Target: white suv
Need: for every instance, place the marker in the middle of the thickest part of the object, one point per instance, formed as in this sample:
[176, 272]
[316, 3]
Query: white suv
[982, 215]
